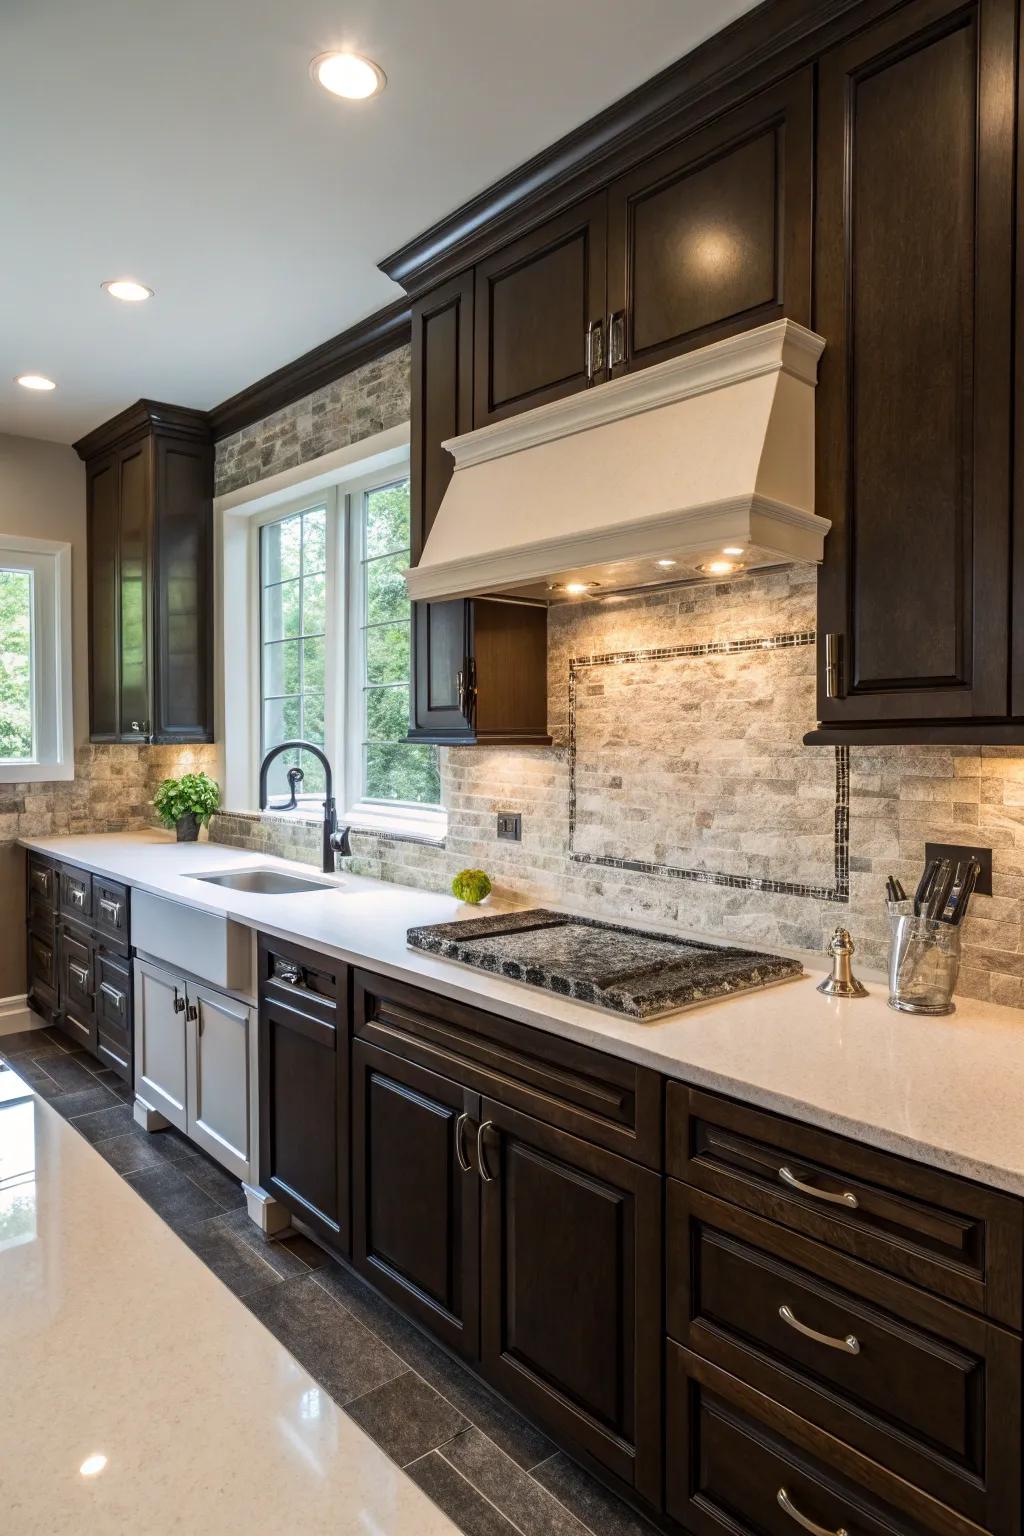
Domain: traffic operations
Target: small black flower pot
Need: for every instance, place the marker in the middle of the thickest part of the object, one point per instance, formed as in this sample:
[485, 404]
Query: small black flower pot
[187, 827]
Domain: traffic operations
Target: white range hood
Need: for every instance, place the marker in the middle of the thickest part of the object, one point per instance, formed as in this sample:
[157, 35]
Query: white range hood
[677, 463]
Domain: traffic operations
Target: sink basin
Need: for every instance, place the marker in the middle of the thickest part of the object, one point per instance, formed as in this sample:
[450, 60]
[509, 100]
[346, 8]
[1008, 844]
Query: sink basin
[265, 882]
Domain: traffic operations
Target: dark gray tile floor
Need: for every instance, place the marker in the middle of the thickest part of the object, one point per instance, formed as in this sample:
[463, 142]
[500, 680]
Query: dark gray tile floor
[490, 1471]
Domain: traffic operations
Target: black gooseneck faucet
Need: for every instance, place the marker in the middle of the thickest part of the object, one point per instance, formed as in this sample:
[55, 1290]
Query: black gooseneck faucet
[334, 841]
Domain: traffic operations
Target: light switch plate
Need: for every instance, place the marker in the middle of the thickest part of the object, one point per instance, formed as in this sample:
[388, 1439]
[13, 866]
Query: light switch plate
[510, 828]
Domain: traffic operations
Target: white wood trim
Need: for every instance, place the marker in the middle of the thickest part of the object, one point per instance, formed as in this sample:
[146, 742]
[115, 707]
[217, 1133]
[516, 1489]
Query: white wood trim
[364, 457]
[782, 347]
[53, 704]
[772, 530]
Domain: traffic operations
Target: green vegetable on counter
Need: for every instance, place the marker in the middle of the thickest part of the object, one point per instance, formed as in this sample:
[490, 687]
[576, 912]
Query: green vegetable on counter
[471, 885]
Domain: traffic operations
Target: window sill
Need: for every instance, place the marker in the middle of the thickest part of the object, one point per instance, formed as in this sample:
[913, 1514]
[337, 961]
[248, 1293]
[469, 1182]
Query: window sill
[429, 827]
[37, 773]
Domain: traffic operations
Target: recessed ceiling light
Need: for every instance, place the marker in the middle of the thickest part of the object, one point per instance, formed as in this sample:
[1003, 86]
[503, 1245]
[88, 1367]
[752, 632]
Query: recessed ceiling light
[128, 290]
[92, 1465]
[732, 549]
[573, 588]
[666, 565]
[34, 381]
[348, 75]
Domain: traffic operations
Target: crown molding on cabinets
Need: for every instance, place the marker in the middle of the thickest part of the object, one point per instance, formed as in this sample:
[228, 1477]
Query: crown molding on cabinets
[364, 342]
[139, 419]
[755, 51]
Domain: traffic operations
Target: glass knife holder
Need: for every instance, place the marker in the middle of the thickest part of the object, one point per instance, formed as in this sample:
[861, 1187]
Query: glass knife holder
[924, 961]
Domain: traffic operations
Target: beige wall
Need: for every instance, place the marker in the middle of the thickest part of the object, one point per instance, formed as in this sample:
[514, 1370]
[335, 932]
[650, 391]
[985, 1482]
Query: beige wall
[42, 495]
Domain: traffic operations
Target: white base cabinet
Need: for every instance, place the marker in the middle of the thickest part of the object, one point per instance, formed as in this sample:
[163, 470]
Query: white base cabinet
[195, 1051]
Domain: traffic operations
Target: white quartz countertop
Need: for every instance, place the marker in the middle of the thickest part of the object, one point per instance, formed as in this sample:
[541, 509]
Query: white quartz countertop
[120, 1350]
[948, 1092]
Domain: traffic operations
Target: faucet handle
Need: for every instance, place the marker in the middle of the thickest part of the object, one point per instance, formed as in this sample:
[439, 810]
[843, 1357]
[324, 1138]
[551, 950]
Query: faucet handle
[341, 842]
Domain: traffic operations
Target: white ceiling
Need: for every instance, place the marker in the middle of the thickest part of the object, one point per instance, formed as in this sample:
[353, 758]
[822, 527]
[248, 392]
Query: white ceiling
[184, 144]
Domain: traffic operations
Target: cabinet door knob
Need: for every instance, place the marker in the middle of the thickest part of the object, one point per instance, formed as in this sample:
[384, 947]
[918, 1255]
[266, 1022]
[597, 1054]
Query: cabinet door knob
[481, 1130]
[786, 1504]
[179, 1002]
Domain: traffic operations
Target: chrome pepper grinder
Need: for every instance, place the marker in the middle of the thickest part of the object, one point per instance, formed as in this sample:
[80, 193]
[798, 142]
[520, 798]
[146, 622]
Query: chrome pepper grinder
[842, 982]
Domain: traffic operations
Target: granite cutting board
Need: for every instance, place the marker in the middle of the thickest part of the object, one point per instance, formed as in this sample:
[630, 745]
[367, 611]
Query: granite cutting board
[626, 970]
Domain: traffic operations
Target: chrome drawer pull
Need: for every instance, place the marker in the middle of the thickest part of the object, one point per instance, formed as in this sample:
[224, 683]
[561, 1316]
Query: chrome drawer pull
[486, 1126]
[788, 1507]
[112, 908]
[78, 897]
[116, 997]
[850, 1345]
[460, 1148]
[79, 972]
[846, 1198]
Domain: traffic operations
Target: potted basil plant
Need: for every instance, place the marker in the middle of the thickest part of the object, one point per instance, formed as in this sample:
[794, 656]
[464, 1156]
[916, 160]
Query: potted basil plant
[186, 804]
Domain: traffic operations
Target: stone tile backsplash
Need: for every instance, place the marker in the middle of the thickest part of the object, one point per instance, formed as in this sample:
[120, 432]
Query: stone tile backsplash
[677, 789]
[112, 791]
[365, 401]
[696, 763]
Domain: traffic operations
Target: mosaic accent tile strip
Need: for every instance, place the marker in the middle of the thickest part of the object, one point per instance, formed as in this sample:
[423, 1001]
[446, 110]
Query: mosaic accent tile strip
[837, 892]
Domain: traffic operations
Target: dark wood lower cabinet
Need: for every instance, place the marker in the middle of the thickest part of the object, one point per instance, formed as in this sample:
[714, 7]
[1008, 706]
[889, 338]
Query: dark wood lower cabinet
[416, 1197]
[739, 1464]
[571, 1324]
[304, 1082]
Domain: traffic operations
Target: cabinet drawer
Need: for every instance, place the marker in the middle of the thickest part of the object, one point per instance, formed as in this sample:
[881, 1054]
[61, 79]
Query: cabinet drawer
[76, 973]
[738, 1465]
[42, 971]
[305, 982]
[114, 1004]
[76, 894]
[922, 1387]
[600, 1098]
[110, 911]
[42, 883]
[955, 1238]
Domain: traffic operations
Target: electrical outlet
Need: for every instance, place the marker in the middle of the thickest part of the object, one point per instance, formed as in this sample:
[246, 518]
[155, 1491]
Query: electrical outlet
[960, 853]
[510, 828]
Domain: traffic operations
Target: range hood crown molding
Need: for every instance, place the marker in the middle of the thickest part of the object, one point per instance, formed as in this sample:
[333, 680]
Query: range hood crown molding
[782, 347]
[673, 463]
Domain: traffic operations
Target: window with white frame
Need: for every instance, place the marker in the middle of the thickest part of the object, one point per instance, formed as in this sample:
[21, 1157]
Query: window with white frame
[335, 651]
[35, 660]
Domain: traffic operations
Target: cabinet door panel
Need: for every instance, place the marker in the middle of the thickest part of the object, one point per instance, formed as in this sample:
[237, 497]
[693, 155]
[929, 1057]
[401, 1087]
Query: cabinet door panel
[104, 674]
[181, 597]
[442, 407]
[913, 298]
[134, 589]
[571, 1290]
[534, 301]
[415, 1218]
[161, 1074]
[218, 1038]
[303, 1076]
[713, 236]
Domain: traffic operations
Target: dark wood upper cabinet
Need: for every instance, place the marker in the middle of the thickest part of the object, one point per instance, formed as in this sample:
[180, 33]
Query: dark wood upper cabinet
[149, 490]
[571, 1326]
[536, 301]
[479, 666]
[914, 249]
[714, 235]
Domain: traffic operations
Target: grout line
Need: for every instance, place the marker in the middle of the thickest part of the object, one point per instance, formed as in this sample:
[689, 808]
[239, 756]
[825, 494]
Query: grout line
[480, 1494]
